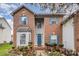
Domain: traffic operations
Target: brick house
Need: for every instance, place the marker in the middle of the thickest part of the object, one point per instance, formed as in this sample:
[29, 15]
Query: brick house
[70, 29]
[36, 28]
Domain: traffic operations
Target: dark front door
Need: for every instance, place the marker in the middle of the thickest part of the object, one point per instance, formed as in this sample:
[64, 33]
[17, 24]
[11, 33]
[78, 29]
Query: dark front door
[39, 39]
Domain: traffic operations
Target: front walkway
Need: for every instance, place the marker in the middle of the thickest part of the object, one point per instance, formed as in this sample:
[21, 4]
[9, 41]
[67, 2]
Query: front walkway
[41, 53]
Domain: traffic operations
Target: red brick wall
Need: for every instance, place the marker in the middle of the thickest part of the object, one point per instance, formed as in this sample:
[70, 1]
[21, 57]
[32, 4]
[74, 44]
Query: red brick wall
[16, 23]
[76, 31]
[47, 28]
[56, 28]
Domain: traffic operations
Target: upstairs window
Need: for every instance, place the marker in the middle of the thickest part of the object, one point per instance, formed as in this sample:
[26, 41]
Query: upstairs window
[39, 25]
[54, 20]
[1, 27]
[24, 20]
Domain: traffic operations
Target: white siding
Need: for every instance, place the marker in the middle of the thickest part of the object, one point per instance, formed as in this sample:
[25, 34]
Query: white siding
[68, 34]
[5, 34]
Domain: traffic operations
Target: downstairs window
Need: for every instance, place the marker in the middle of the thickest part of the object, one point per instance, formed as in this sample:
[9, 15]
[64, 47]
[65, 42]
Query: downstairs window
[53, 39]
[23, 39]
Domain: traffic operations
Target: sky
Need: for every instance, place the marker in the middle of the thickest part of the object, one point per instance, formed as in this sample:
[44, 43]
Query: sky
[6, 9]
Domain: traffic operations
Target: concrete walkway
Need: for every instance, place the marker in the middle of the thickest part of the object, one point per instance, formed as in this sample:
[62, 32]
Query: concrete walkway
[40, 53]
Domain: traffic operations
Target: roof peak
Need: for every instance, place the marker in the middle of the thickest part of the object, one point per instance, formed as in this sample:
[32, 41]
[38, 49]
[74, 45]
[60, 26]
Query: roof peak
[22, 6]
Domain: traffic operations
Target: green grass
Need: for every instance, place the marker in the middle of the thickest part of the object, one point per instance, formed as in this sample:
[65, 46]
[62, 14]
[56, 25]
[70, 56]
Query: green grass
[4, 48]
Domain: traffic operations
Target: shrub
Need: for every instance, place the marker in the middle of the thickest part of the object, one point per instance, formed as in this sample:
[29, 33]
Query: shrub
[5, 42]
[21, 48]
[54, 44]
[61, 45]
[13, 47]
[26, 47]
[54, 53]
[47, 44]
[11, 42]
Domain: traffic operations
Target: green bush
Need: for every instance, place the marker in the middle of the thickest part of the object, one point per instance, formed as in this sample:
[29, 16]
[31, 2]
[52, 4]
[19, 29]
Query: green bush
[53, 44]
[47, 44]
[11, 42]
[61, 45]
[54, 53]
[26, 47]
[21, 48]
[13, 47]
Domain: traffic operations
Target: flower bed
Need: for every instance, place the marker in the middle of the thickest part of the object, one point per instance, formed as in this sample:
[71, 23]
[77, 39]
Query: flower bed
[58, 50]
[22, 51]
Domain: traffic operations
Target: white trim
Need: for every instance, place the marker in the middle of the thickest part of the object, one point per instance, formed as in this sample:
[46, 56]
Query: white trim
[28, 38]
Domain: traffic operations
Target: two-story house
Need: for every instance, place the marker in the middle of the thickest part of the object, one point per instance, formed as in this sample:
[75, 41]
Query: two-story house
[39, 29]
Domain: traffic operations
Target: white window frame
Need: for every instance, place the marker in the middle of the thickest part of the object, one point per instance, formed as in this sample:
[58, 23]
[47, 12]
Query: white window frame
[28, 38]
[24, 39]
[53, 37]
[23, 20]
[53, 20]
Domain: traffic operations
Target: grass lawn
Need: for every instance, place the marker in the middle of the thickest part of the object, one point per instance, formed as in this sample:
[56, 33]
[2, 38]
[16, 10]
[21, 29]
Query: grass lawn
[4, 48]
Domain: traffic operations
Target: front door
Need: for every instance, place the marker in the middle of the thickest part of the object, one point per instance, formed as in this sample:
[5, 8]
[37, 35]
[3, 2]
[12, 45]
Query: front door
[39, 39]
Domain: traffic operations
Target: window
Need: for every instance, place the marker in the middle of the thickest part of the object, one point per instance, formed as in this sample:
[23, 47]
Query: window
[23, 39]
[39, 25]
[54, 20]
[24, 20]
[53, 38]
[0, 25]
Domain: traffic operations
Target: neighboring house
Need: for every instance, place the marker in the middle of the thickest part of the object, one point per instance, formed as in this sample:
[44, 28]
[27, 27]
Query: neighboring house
[70, 27]
[5, 31]
[36, 28]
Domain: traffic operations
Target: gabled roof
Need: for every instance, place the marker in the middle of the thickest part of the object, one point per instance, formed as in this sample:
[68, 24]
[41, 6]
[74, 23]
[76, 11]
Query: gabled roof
[70, 16]
[21, 8]
[36, 14]
[5, 21]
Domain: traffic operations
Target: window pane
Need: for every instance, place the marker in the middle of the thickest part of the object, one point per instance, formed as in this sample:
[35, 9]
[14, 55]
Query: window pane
[39, 25]
[54, 20]
[24, 20]
[22, 39]
[53, 39]
[0, 25]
